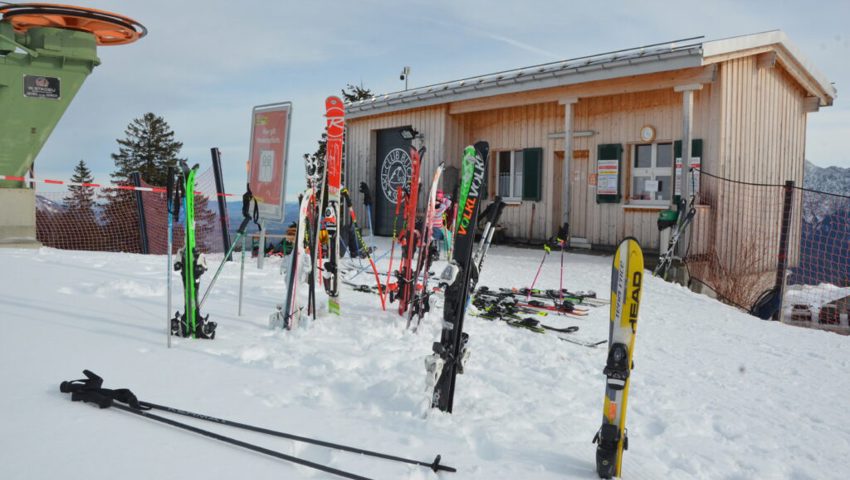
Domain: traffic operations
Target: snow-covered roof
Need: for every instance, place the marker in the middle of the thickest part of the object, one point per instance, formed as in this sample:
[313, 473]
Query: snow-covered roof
[659, 57]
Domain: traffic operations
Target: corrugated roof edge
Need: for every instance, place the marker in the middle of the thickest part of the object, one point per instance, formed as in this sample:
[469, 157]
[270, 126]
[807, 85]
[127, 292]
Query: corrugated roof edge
[547, 74]
[485, 84]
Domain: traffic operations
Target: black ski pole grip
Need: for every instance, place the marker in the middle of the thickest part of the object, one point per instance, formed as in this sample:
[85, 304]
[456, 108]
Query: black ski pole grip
[102, 401]
[70, 386]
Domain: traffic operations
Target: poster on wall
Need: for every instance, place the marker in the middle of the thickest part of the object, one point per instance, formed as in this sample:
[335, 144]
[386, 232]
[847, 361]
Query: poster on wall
[268, 158]
[694, 187]
[607, 177]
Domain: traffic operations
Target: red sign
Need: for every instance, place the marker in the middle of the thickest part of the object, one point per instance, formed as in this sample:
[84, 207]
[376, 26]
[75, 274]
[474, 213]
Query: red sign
[269, 142]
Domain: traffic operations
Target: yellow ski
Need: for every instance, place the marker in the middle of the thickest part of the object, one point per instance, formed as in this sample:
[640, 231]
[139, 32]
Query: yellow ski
[626, 285]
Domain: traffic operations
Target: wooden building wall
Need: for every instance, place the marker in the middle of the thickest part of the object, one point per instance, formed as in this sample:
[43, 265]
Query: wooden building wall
[360, 161]
[514, 128]
[760, 137]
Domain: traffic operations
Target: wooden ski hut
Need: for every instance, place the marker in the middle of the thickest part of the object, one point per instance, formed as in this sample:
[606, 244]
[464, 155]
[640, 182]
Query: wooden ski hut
[593, 141]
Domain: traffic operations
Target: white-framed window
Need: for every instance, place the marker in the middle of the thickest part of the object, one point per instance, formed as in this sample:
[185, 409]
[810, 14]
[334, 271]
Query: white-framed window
[509, 183]
[652, 174]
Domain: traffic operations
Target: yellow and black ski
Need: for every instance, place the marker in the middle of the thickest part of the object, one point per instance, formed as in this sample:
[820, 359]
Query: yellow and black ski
[626, 285]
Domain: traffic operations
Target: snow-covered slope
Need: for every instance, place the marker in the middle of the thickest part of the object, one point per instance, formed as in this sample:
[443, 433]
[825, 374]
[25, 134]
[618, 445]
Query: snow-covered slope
[716, 394]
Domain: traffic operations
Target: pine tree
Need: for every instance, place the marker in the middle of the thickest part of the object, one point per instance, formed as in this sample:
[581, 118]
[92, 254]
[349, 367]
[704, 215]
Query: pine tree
[80, 198]
[148, 148]
[80, 216]
[356, 93]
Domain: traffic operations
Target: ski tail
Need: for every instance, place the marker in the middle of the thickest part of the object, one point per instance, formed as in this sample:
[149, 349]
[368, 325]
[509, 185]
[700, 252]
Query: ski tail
[626, 286]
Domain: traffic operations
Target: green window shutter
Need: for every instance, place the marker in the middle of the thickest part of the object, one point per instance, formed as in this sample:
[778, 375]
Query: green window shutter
[532, 174]
[696, 148]
[611, 151]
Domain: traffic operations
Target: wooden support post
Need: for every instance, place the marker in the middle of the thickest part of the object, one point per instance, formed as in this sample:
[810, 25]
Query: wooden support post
[784, 238]
[687, 139]
[568, 156]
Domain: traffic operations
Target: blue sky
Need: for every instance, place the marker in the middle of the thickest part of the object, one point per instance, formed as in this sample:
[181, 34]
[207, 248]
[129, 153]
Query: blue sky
[205, 64]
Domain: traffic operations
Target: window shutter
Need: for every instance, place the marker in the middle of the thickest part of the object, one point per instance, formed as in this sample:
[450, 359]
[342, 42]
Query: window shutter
[609, 151]
[532, 174]
[696, 148]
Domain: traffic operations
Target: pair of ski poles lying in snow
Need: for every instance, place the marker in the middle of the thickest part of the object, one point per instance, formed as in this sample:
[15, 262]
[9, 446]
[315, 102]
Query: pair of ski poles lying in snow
[90, 390]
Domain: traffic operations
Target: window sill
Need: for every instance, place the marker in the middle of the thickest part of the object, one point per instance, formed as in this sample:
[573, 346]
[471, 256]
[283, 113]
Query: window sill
[512, 201]
[644, 207]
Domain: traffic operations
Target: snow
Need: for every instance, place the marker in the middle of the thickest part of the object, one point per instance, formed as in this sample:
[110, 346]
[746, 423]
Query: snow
[716, 394]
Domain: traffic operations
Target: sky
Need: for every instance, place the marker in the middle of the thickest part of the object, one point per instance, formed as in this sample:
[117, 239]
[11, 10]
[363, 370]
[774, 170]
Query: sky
[204, 65]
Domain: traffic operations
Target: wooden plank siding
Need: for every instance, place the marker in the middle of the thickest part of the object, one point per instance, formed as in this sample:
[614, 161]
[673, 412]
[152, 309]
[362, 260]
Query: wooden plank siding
[618, 119]
[761, 136]
[508, 129]
[360, 147]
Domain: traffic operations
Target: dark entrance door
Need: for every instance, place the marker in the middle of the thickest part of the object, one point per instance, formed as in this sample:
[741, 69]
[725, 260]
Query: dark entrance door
[394, 170]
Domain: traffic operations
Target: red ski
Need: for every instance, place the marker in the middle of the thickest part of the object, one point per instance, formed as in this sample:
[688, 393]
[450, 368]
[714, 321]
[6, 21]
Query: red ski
[409, 238]
[335, 113]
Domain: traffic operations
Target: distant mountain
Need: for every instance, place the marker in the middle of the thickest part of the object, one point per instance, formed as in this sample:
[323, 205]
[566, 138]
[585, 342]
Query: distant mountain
[831, 180]
[47, 205]
[825, 230]
[234, 211]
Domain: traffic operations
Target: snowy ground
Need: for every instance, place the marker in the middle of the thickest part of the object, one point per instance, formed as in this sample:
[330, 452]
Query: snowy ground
[716, 394]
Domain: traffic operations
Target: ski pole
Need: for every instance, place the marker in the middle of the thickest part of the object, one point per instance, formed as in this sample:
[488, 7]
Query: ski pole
[169, 204]
[240, 443]
[398, 198]
[239, 234]
[435, 465]
[546, 249]
[363, 244]
[562, 240]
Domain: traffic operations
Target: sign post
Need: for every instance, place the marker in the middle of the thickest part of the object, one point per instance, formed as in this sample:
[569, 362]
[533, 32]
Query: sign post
[270, 125]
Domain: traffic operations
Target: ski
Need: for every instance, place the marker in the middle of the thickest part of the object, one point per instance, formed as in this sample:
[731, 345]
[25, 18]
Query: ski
[409, 238]
[626, 286]
[451, 351]
[493, 213]
[565, 308]
[191, 265]
[335, 113]
[171, 212]
[288, 314]
[583, 343]
[398, 199]
[420, 301]
[587, 298]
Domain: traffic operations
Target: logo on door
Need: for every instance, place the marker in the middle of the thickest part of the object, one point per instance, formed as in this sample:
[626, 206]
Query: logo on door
[396, 170]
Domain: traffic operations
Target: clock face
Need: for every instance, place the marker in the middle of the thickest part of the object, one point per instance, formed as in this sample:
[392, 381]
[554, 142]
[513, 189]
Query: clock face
[647, 133]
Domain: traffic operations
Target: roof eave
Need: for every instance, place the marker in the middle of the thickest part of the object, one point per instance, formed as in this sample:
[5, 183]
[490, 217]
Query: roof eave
[486, 87]
[820, 87]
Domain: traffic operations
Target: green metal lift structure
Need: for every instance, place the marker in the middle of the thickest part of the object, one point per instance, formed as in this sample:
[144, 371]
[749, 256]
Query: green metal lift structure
[46, 53]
